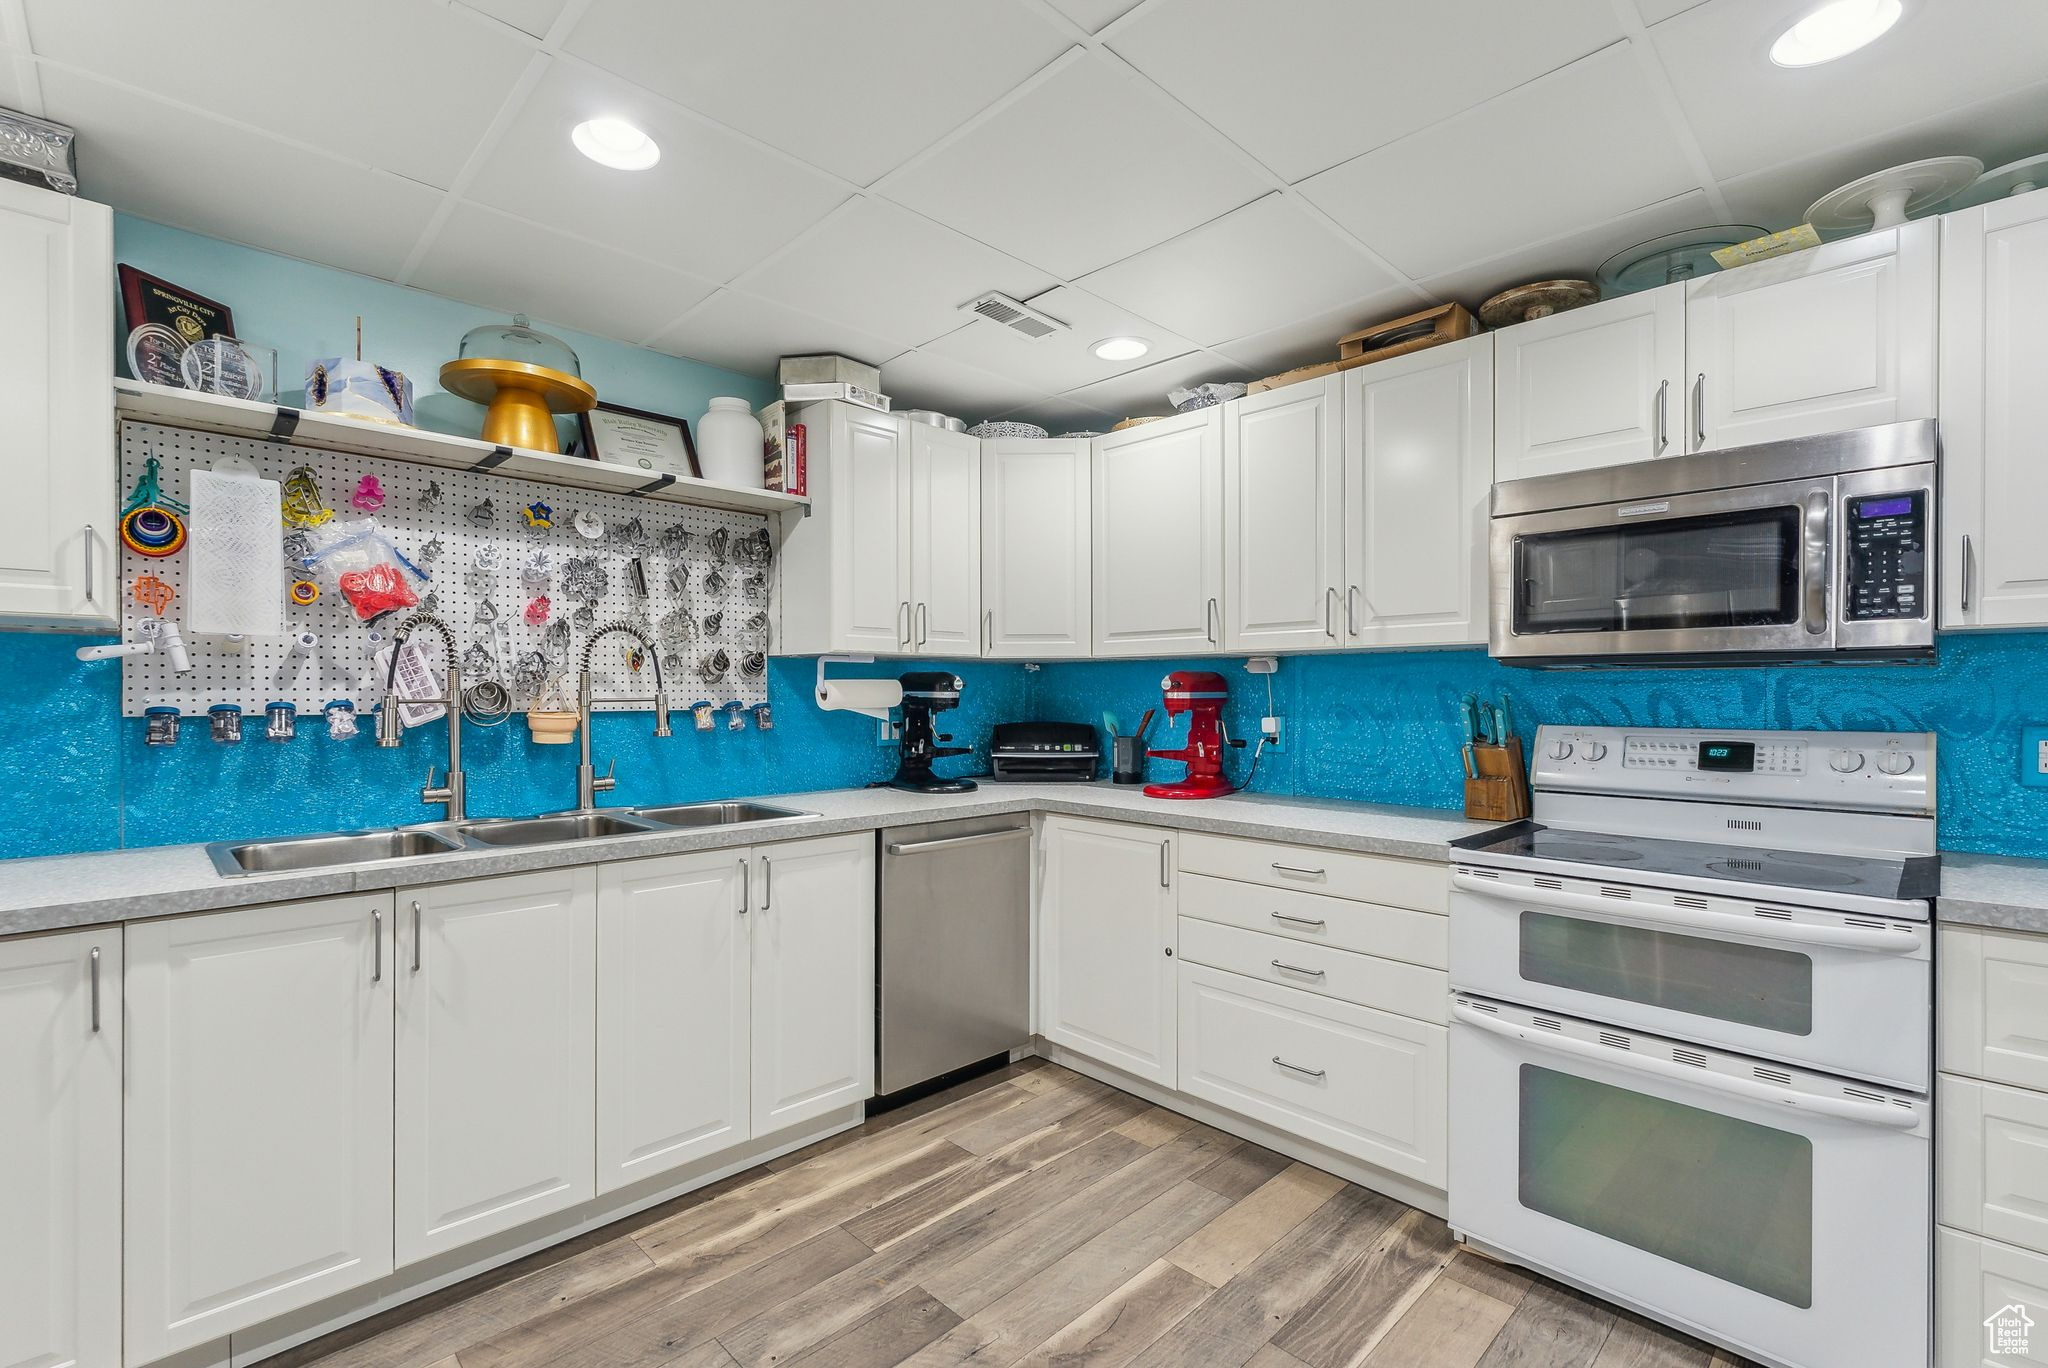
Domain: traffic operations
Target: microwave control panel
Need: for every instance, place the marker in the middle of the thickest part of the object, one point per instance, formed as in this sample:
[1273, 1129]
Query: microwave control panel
[1887, 547]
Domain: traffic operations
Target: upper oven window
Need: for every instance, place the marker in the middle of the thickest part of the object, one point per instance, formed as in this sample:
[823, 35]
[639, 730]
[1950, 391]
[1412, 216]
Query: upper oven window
[1738, 569]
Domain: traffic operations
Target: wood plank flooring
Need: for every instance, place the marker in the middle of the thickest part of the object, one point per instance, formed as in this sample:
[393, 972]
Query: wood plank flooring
[1032, 1218]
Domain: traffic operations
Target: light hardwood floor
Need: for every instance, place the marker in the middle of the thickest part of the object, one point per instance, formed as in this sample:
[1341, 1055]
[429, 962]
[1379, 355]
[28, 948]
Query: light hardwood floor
[1033, 1218]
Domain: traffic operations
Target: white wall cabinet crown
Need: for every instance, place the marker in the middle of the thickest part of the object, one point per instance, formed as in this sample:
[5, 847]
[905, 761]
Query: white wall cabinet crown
[60, 1131]
[1598, 386]
[1105, 944]
[1036, 579]
[1159, 537]
[57, 563]
[1283, 518]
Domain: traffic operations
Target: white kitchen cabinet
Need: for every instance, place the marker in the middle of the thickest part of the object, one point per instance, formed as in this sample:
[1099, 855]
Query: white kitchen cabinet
[60, 1134]
[1418, 476]
[259, 1167]
[1994, 1005]
[1599, 386]
[1036, 583]
[673, 1012]
[1977, 1281]
[945, 541]
[1159, 537]
[845, 570]
[496, 1055]
[1283, 518]
[57, 562]
[1840, 336]
[813, 939]
[1105, 944]
[1994, 408]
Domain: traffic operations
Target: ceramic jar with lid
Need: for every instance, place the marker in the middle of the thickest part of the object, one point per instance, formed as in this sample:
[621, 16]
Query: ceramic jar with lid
[729, 443]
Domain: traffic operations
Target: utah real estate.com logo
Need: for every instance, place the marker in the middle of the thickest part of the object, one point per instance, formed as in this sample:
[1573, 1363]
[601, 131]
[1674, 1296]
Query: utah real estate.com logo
[2005, 1330]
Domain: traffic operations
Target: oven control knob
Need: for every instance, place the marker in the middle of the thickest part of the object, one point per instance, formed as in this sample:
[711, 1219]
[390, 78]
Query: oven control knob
[1845, 761]
[1895, 762]
[1560, 750]
[1594, 750]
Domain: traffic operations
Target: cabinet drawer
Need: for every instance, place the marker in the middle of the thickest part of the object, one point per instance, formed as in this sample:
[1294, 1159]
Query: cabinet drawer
[1994, 1005]
[1422, 885]
[1367, 980]
[1363, 1083]
[1369, 928]
[1975, 1280]
[1993, 1165]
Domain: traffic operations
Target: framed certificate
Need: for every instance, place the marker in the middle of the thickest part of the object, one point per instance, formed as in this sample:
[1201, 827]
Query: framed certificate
[652, 442]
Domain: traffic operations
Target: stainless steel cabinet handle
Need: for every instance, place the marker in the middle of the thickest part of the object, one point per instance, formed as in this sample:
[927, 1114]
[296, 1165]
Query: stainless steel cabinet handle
[1317, 922]
[1699, 412]
[746, 885]
[903, 623]
[1297, 969]
[1297, 869]
[767, 881]
[89, 538]
[1663, 403]
[1968, 574]
[1209, 617]
[377, 952]
[923, 620]
[988, 630]
[1165, 858]
[95, 990]
[1306, 1073]
[1351, 608]
[1330, 612]
[950, 842]
[417, 936]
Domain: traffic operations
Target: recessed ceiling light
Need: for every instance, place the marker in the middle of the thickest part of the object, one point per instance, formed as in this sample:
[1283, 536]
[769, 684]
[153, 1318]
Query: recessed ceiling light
[1835, 30]
[1122, 348]
[615, 143]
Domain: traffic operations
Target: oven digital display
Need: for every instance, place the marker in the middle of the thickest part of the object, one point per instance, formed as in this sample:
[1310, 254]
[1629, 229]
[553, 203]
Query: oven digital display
[1735, 757]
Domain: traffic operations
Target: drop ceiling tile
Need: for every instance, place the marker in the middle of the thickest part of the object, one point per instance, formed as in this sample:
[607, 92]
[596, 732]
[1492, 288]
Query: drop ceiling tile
[1576, 255]
[1572, 149]
[1064, 360]
[713, 206]
[1305, 84]
[1657, 11]
[1314, 339]
[854, 89]
[534, 17]
[1255, 268]
[877, 266]
[17, 68]
[403, 85]
[748, 335]
[1142, 392]
[1093, 15]
[1129, 172]
[168, 164]
[489, 258]
[1749, 114]
[920, 379]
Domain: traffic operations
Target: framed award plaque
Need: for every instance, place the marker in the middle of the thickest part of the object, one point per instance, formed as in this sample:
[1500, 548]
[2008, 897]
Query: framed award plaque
[652, 442]
[163, 320]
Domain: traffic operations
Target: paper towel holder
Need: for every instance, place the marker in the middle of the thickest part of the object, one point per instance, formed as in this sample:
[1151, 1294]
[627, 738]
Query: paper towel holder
[880, 710]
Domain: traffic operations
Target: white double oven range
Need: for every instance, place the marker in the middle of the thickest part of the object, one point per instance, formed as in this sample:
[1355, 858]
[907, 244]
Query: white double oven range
[1692, 1034]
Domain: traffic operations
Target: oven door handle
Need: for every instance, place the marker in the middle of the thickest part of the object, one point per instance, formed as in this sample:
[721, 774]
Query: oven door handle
[1685, 918]
[1749, 1090]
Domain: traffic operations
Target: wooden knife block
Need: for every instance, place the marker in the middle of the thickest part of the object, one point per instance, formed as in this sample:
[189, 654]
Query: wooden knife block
[1501, 791]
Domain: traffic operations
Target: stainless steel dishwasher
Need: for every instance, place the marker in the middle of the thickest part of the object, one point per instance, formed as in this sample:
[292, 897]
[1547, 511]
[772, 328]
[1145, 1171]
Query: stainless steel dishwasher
[954, 946]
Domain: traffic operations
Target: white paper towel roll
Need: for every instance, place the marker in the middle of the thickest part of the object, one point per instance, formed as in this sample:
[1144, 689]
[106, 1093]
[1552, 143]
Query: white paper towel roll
[874, 697]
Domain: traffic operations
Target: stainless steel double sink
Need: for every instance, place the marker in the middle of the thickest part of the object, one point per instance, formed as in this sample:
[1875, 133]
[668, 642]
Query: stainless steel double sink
[238, 859]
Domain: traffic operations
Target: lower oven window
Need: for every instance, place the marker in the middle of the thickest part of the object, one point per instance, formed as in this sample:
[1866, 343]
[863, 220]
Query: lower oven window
[1750, 985]
[1728, 1197]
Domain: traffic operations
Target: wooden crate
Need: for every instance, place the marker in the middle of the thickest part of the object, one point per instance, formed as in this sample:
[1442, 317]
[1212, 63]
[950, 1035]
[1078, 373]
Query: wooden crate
[1451, 323]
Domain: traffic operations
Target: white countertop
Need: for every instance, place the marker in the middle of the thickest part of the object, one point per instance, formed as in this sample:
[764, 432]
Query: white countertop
[1994, 890]
[60, 891]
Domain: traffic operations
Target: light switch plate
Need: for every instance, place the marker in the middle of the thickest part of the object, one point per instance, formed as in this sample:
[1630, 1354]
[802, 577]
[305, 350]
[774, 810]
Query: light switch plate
[2034, 756]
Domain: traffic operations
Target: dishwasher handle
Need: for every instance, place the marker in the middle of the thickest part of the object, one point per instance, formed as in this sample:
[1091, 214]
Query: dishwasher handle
[954, 842]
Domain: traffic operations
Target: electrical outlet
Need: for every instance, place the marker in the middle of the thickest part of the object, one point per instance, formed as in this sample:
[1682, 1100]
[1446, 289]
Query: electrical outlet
[885, 732]
[2034, 756]
[1269, 727]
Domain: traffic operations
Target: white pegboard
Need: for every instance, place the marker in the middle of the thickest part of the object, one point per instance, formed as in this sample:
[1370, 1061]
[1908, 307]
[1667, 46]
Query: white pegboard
[729, 614]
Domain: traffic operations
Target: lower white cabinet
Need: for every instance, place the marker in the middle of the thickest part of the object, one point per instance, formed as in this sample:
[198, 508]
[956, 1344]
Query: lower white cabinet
[673, 1012]
[496, 1055]
[1994, 1005]
[258, 1149]
[813, 944]
[1105, 944]
[60, 1138]
[1982, 1289]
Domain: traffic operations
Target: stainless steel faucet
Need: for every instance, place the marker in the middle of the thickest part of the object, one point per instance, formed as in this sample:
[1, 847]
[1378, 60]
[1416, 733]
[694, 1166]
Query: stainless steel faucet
[391, 733]
[588, 782]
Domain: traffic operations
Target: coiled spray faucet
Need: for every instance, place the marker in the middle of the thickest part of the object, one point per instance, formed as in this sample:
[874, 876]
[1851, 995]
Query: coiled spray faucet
[588, 782]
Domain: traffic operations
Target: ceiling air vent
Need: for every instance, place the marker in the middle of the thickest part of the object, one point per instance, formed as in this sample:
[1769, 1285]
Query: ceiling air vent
[1014, 314]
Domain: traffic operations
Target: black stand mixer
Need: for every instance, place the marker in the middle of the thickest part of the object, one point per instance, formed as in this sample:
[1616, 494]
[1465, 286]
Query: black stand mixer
[926, 692]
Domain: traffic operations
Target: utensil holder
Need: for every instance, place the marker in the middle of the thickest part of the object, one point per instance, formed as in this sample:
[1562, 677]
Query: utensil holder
[1127, 760]
[1500, 792]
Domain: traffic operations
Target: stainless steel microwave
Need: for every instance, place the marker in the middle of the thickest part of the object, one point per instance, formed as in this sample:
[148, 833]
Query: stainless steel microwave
[1810, 549]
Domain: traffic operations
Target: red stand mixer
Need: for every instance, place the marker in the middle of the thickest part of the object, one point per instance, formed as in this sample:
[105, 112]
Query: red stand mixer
[1200, 694]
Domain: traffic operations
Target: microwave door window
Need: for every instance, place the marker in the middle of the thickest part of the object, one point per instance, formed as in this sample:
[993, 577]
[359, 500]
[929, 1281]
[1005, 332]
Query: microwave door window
[1727, 570]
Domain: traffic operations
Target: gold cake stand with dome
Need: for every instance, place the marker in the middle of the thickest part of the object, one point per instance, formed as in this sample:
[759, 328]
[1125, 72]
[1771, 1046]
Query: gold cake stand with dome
[522, 396]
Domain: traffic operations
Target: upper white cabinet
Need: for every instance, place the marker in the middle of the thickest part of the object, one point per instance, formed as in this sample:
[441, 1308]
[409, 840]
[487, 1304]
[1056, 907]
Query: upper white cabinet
[1840, 336]
[1283, 522]
[1598, 386]
[1105, 944]
[846, 568]
[1994, 410]
[496, 1056]
[813, 940]
[1159, 537]
[259, 1170]
[57, 562]
[945, 541]
[1418, 473]
[673, 1012]
[60, 1133]
[1035, 580]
